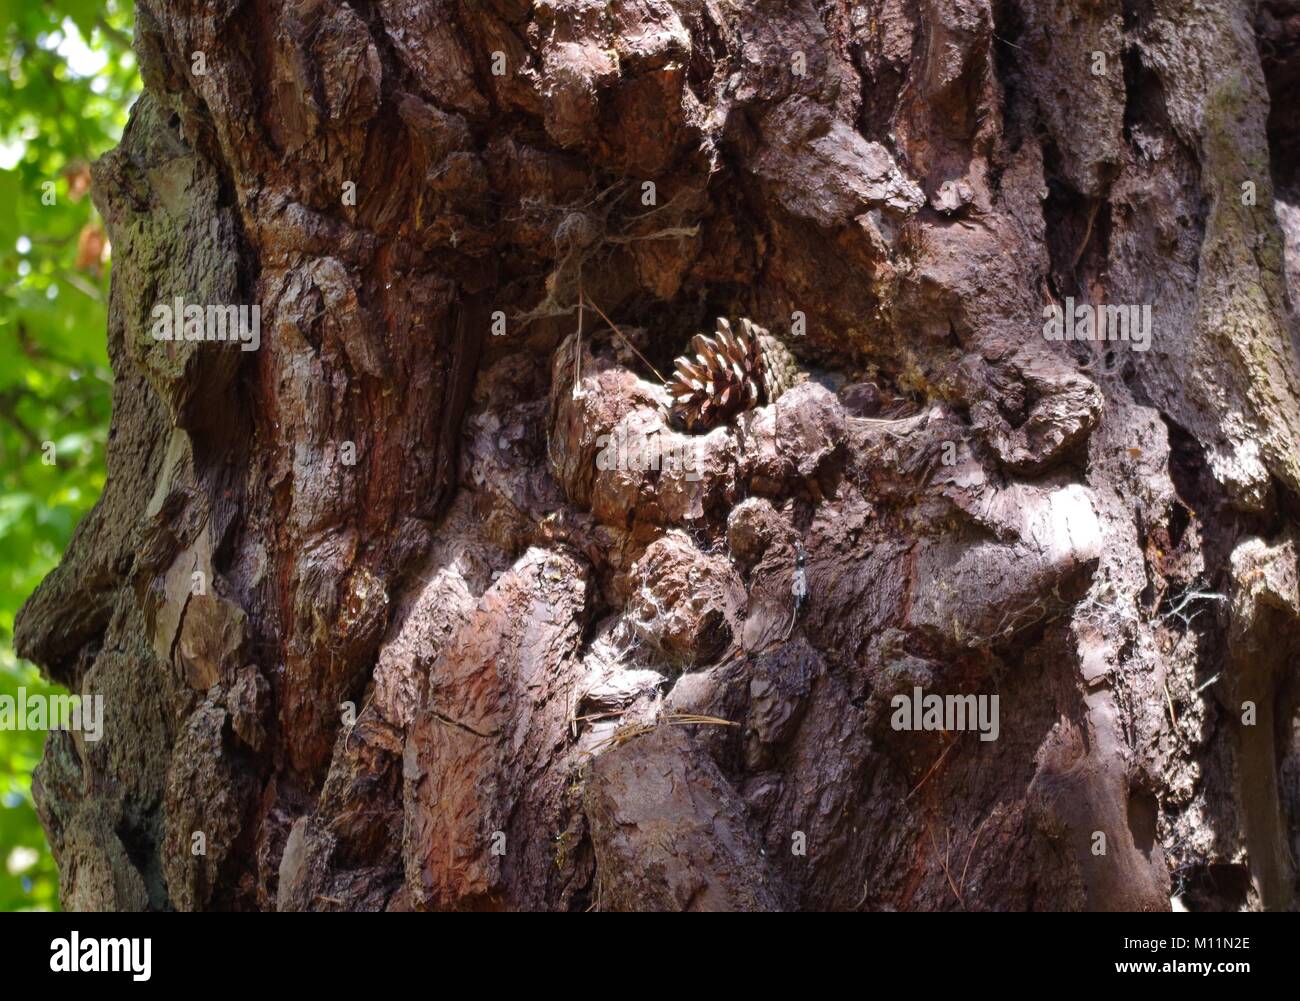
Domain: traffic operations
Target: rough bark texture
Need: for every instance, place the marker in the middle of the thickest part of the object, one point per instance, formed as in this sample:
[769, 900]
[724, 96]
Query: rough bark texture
[446, 659]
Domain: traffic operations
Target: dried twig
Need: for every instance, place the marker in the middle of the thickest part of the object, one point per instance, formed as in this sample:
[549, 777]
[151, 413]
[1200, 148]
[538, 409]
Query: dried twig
[577, 354]
[1087, 234]
[936, 764]
[974, 841]
[634, 730]
[944, 866]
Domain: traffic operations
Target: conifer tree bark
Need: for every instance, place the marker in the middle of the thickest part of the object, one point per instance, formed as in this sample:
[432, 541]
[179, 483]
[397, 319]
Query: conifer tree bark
[379, 626]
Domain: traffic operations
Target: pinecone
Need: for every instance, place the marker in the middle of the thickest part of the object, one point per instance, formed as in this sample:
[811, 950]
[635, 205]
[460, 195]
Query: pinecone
[730, 372]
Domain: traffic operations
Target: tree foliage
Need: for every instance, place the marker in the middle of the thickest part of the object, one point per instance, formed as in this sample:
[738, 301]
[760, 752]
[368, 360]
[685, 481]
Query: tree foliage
[68, 80]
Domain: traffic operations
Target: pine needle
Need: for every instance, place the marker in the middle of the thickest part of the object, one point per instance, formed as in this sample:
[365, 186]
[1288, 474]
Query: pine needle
[614, 327]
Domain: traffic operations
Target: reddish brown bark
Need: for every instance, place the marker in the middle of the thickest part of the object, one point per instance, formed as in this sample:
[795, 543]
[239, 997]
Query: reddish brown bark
[446, 659]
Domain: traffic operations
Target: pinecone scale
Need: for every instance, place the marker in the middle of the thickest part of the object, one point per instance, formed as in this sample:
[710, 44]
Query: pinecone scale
[727, 373]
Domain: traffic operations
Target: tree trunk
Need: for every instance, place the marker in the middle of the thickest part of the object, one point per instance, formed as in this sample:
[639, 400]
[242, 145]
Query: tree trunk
[390, 613]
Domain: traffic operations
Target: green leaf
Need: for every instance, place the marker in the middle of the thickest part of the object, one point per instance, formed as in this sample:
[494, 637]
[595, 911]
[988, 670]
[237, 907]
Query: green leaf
[54, 379]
